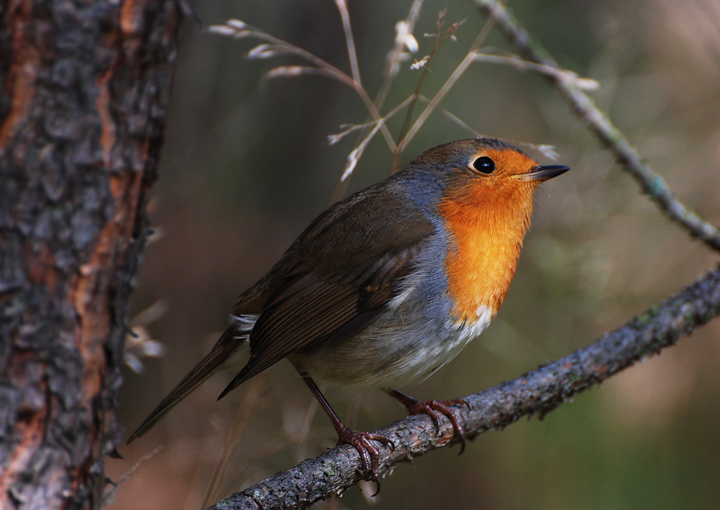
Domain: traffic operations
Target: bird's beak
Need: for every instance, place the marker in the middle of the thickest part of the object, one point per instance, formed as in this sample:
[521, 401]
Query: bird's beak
[543, 173]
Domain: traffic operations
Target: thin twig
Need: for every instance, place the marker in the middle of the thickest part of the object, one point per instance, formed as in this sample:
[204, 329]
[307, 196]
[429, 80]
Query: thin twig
[349, 39]
[355, 69]
[112, 487]
[357, 152]
[454, 118]
[425, 69]
[334, 138]
[445, 89]
[546, 150]
[403, 29]
[295, 71]
[553, 71]
[535, 393]
[238, 29]
[651, 183]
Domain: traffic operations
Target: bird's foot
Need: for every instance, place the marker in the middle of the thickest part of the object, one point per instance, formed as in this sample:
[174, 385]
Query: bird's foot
[360, 440]
[368, 452]
[429, 407]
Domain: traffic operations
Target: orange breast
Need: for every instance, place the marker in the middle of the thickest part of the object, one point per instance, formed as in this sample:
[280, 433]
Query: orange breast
[487, 225]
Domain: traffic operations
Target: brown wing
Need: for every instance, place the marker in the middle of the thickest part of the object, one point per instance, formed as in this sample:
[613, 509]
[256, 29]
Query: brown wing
[309, 309]
[336, 278]
[348, 275]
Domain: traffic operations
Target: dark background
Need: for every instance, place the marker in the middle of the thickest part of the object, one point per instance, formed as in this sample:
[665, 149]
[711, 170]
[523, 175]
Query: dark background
[247, 166]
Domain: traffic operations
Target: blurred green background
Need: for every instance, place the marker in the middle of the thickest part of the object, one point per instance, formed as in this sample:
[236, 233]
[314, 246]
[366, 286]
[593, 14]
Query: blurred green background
[247, 166]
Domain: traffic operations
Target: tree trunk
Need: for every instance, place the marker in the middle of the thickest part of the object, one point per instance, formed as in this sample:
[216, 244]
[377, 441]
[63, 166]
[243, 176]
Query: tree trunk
[83, 106]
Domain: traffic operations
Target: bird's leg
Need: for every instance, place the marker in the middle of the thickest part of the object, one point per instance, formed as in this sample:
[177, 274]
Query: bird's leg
[427, 407]
[360, 440]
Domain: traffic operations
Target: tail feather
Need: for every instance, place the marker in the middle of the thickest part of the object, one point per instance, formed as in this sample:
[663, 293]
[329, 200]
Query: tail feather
[225, 349]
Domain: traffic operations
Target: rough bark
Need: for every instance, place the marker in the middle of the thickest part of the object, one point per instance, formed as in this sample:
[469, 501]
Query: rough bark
[83, 106]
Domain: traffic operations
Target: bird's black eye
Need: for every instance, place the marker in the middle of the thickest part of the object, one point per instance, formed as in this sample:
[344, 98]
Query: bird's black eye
[484, 165]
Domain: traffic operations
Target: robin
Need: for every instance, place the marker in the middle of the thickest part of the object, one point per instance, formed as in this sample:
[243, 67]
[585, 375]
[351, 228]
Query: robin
[388, 285]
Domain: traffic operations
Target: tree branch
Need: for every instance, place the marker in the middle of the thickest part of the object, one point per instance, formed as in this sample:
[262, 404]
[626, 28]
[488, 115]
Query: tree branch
[541, 391]
[535, 393]
[651, 183]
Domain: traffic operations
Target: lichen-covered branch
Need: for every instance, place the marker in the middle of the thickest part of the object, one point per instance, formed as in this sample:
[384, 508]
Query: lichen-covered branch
[651, 183]
[534, 393]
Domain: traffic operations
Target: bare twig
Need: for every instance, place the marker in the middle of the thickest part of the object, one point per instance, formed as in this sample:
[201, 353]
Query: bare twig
[112, 488]
[651, 183]
[403, 29]
[445, 89]
[357, 152]
[426, 60]
[275, 47]
[403, 35]
[535, 393]
[349, 39]
[546, 150]
[552, 71]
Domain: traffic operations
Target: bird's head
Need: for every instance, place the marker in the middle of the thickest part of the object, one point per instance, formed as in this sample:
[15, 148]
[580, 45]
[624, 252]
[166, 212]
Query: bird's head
[486, 205]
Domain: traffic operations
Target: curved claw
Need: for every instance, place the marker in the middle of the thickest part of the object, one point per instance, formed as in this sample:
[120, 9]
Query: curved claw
[360, 440]
[457, 402]
[427, 407]
[368, 453]
[441, 407]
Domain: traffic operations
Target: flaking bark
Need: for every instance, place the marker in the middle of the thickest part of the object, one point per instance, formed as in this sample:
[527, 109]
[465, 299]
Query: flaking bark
[83, 107]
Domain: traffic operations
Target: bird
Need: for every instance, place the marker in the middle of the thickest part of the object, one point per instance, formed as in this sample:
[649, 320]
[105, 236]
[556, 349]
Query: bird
[386, 286]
